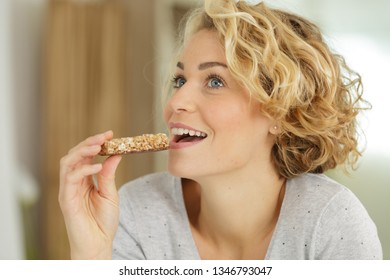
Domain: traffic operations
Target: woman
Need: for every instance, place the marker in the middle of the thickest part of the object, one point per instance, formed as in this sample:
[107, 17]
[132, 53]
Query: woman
[260, 109]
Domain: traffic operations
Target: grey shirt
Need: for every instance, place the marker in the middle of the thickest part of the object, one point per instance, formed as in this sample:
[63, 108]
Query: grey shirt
[319, 219]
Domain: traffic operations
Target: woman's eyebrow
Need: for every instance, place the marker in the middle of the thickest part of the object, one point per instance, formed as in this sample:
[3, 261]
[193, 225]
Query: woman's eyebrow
[204, 65]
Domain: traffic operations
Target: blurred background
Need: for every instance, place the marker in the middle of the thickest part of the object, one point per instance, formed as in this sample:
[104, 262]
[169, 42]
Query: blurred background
[73, 68]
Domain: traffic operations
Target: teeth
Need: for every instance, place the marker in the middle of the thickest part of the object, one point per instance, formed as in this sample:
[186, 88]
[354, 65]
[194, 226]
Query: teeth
[182, 131]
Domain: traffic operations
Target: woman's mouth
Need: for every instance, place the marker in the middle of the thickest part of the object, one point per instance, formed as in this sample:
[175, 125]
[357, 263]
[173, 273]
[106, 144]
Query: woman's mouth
[183, 137]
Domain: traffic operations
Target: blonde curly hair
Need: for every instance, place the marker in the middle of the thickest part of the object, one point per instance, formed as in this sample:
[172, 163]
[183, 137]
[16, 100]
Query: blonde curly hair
[284, 62]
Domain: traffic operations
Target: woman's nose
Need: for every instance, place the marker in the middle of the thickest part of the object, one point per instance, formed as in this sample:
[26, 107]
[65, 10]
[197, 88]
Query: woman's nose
[182, 100]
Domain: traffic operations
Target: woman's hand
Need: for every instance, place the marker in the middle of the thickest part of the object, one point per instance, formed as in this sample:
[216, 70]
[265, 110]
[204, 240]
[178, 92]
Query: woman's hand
[91, 210]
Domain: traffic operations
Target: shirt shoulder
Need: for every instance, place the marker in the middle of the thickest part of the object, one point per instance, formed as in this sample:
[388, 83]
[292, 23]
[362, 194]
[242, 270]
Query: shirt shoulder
[315, 213]
[317, 187]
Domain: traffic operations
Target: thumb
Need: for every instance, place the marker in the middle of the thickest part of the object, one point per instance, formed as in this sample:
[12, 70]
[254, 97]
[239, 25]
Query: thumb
[106, 177]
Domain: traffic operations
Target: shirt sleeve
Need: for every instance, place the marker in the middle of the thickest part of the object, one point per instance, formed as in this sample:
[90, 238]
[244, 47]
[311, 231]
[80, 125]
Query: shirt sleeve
[345, 231]
[126, 245]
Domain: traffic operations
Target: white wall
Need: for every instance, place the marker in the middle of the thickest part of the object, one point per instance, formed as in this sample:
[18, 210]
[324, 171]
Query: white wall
[21, 23]
[10, 233]
[27, 26]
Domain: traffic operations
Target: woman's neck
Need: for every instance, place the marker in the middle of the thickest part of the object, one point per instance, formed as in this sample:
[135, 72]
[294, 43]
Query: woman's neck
[234, 212]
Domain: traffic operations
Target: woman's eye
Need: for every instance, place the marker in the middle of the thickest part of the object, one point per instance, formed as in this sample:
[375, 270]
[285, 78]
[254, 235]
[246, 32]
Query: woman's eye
[215, 82]
[178, 82]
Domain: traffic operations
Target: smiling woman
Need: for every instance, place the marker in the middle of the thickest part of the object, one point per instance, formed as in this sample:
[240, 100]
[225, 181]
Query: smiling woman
[258, 109]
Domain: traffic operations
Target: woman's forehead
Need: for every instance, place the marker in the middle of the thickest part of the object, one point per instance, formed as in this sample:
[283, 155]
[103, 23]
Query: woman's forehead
[204, 44]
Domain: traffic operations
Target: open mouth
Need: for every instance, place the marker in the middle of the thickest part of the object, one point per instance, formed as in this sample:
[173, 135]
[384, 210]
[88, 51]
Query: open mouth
[181, 135]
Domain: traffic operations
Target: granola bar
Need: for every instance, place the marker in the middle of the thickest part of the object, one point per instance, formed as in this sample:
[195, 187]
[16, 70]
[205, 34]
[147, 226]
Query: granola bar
[136, 144]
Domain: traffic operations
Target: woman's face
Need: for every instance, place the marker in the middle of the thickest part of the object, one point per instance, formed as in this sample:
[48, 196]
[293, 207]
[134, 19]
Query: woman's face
[214, 128]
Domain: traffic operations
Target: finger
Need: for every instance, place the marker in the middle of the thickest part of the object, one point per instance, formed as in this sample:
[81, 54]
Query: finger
[97, 139]
[70, 161]
[106, 178]
[80, 153]
[73, 181]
